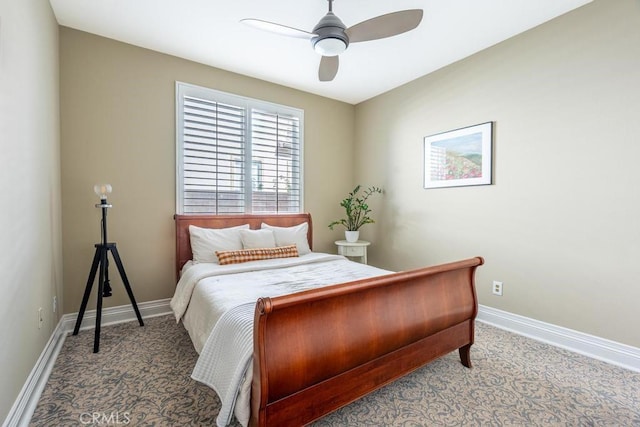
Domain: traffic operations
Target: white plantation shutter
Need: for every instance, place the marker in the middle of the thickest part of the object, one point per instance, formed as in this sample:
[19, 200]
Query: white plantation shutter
[275, 157]
[236, 155]
[213, 157]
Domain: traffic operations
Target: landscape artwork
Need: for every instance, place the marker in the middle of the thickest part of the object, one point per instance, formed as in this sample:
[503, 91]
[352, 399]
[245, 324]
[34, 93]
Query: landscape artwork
[459, 157]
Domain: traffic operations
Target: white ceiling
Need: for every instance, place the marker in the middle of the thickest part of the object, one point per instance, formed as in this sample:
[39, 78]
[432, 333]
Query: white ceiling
[209, 32]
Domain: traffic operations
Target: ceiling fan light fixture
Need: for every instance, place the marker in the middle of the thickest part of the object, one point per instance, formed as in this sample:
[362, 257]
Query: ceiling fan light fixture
[330, 37]
[330, 46]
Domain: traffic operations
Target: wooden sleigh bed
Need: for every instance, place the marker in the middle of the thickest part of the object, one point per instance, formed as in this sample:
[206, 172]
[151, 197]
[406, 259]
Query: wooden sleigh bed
[318, 350]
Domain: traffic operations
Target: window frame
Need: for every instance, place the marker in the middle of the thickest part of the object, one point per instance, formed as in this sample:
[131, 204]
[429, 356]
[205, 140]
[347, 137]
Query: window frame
[186, 89]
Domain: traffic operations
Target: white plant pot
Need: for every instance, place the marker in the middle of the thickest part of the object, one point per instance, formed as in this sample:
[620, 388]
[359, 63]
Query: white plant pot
[352, 236]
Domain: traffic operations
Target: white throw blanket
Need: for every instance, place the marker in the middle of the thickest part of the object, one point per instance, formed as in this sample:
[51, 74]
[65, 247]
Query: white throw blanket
[226, 357]
[231, 292]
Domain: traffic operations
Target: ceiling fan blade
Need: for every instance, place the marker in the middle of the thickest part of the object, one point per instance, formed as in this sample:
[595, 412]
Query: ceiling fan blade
[328, 68]
[383, 26]
[272, 27]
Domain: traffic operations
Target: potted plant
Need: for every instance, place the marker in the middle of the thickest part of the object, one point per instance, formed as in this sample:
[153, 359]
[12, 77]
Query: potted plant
[357, 212]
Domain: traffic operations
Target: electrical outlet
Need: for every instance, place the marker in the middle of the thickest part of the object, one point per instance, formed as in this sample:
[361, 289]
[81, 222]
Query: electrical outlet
[55, 304]
[40, 319]
[497, 288]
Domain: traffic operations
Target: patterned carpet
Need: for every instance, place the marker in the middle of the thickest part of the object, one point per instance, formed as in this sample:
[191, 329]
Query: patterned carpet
[141, 377]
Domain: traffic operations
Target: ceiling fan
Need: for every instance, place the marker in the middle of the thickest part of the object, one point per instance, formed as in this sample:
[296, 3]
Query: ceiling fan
[330, 37]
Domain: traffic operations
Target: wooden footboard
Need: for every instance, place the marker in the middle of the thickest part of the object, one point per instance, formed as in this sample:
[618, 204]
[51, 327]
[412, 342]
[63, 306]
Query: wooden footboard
[319, 350]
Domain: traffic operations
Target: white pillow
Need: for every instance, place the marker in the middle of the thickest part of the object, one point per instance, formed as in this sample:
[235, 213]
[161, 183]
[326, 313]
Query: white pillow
[257, 239]
[291, 235]
[206, 241]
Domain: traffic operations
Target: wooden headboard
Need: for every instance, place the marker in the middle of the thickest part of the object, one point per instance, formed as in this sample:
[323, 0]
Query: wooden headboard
[183, 245]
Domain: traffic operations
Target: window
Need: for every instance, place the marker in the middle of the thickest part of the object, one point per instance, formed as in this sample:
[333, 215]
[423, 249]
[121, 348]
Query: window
[235, 154]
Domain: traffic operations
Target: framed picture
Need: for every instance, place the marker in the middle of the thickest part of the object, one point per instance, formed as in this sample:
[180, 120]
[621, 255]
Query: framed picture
[459, 157]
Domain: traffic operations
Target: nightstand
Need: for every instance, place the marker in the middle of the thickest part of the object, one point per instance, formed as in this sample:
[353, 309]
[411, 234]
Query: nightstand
[355, 249]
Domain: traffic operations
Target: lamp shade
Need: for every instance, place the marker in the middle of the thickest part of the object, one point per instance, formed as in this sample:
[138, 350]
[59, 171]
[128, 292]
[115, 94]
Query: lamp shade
[102, 190]
[330, 46]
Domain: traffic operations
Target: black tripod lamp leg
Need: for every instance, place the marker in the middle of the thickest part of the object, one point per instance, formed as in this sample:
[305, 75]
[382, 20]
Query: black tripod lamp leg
[87, 290]
[107, 283]
[103, 261]
[125, 281]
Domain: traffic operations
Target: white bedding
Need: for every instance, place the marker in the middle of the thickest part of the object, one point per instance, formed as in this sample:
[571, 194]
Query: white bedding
[206, 292]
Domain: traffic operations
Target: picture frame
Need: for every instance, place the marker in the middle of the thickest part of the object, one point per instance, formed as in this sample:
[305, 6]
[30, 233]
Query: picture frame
[460, 157]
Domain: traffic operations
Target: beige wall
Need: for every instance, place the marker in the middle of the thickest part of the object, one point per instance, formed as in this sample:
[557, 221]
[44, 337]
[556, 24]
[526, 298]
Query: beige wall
[561, 225]
[118, 126]
[30, 247]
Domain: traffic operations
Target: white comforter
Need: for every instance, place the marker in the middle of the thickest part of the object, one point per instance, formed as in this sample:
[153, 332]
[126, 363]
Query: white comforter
[206, 292]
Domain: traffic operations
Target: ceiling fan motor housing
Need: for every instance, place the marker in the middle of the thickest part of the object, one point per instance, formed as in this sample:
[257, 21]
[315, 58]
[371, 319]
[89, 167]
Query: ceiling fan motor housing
[330, 38]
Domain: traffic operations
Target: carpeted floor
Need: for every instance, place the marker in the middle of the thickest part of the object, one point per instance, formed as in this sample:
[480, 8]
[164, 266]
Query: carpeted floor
[141, 377]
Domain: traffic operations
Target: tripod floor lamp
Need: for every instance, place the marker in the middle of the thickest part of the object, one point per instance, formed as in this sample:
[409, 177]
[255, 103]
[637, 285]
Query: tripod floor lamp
[101, 263]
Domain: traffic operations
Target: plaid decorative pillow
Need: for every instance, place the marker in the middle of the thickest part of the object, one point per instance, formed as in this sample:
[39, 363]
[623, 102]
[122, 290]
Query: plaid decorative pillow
[244, 255]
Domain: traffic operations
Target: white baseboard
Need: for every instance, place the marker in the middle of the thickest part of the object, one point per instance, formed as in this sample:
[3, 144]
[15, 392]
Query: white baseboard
[120, 314]
[612, 352]
[26, 402]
